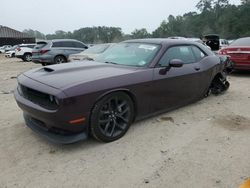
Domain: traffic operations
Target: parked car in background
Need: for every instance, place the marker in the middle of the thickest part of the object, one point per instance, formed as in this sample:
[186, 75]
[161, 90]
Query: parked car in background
[129, 81]
[56, 51]
[5, 48]
[11, 52]
[213, 41]
[223, 43]
[24, 52]
[230, 41]
[239, 52]
[199, 41]
[91, 53]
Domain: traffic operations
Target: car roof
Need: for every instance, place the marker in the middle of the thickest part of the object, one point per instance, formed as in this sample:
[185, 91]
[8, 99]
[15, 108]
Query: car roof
[162, 41]
[61, 40]
[27, 44]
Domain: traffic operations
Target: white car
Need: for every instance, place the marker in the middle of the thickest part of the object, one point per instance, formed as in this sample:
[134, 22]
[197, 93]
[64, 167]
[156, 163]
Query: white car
[24, 51]
[11, 52]
[91, 53]
[5, 48]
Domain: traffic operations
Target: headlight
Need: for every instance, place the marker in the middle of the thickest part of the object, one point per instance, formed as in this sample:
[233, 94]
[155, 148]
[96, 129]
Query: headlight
[19, 89]
[53, 99]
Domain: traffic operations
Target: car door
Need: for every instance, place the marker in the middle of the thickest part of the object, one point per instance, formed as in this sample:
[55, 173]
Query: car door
[179, 86]
[205, 66]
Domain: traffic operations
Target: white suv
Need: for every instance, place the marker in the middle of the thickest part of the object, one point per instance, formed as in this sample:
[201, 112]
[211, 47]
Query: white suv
[24, 51]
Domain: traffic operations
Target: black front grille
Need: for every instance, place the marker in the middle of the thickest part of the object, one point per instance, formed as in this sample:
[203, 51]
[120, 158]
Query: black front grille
[37, 97]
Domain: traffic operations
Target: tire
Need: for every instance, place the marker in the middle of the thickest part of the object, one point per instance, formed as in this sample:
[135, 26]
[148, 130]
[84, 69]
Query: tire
[219, 86]
[60, 59]
[27, 57]
[13, 55]
[111, 117]
[44, 64]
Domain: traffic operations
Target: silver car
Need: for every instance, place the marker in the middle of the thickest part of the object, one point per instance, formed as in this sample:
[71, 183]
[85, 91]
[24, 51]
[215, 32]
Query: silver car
[56, 51]
[91, 53]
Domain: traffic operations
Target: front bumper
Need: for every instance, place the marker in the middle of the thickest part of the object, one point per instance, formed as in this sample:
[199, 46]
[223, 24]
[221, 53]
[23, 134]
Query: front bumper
[53, 124]
[53, 136]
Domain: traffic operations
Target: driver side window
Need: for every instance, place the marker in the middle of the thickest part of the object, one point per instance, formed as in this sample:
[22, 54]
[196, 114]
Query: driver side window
[183, 53]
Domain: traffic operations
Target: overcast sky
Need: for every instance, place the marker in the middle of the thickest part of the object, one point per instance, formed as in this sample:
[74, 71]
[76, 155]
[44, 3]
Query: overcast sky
[48, 16]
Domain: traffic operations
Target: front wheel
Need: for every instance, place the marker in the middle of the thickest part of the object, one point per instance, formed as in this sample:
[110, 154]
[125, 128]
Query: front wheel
[112, 117]
[219, 85]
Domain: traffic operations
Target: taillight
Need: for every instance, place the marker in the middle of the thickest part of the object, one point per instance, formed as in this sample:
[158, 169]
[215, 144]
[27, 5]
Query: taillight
[18, 49]
[43, 51]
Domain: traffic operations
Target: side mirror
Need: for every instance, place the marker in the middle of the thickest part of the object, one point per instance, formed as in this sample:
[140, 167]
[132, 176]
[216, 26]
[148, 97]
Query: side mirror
[173, 63]
[176, 63]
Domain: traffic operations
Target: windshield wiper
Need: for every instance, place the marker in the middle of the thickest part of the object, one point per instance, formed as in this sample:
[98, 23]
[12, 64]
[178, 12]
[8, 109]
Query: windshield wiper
[110, 62]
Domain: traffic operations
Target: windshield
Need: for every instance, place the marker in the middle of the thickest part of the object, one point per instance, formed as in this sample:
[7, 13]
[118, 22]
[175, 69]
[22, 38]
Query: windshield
[131, 54]
[14, 47]
[241, 42]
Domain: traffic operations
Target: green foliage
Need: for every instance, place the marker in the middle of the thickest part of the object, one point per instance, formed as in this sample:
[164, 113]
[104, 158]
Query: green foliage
[216, 16]
[140, 33]
[91, 34]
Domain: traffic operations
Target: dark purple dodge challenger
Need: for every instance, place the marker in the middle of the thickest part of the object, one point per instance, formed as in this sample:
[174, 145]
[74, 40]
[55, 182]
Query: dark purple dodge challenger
[132, 80]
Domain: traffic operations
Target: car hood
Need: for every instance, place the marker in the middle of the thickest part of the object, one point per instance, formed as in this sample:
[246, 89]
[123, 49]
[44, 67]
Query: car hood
[70, 74]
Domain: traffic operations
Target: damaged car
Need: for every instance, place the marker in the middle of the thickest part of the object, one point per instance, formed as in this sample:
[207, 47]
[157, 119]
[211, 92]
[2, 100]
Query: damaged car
[132, 80]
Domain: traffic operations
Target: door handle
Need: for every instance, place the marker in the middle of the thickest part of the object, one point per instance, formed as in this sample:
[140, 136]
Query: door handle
[197, 68]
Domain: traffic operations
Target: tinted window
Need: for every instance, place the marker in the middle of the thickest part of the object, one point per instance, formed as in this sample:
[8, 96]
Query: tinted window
[57, 44]
[79, 45]
[69, 44]
[31, 46]
[198, 53]
[183, 53]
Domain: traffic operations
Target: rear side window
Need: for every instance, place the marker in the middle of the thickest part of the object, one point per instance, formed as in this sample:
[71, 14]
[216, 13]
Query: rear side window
[79, 45]
[67, 44]
[57, 44]
[30, 46]
[198, 53]
[183, 53]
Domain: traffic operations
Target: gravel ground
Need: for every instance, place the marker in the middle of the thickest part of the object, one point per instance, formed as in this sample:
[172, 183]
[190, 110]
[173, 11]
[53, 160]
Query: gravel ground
[203, 145]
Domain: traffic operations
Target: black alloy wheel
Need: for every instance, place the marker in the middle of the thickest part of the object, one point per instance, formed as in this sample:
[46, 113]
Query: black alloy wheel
[112, 117]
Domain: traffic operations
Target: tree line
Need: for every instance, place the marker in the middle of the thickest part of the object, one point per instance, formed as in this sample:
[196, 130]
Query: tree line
[212, 17]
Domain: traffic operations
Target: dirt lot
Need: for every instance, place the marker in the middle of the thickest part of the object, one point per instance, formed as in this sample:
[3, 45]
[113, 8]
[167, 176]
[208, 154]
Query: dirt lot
[203, 145]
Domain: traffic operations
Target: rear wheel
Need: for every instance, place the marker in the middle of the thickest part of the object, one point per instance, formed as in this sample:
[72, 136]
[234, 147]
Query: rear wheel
[112, 117]
[59, 59]
[27, 57]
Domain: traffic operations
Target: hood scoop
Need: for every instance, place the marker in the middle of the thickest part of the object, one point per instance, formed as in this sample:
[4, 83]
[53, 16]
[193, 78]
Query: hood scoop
[47, 69]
